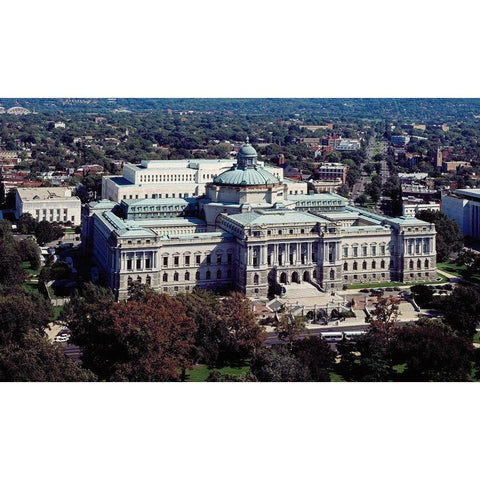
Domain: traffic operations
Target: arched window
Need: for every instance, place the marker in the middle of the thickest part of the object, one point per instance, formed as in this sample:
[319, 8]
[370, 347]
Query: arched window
[139, 279]
[208, 275]
[219, 274]
[411, 265]
[148, 280]
[187, 276]
[175, 277]
[255, 279]
[165, 277]
[364, 265]
[419, 264]
[345, 266]
[130, 280]
[355, 266]
[427, 264]
[332, 274]
[197, 275]
[382, 264]
[374, 264]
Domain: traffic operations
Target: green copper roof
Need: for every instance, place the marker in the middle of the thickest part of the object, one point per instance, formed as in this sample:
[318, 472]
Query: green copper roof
[255, 175]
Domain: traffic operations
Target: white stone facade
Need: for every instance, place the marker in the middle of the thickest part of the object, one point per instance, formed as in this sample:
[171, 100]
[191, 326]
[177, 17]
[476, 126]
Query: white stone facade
[53, 204]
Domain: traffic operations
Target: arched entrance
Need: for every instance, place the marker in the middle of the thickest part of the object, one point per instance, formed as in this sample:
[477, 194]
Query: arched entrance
[295, 277]
[306, 276]
[283, 278]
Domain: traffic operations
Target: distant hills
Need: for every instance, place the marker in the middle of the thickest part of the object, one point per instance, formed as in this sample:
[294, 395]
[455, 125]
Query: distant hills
[393, 109]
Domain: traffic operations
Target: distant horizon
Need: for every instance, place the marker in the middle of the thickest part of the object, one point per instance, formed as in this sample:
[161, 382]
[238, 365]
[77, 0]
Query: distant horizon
[431, 110]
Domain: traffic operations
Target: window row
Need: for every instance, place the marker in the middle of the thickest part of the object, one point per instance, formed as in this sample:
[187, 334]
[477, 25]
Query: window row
[198, 259]
[363, 250]
[167, 178]
[186, 276]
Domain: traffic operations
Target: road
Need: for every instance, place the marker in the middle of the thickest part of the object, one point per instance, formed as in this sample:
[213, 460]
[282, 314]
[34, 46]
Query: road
[272, 337]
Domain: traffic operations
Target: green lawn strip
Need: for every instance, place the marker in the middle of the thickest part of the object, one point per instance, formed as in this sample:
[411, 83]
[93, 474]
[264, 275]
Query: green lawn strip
[458, 270]
[26, 267]
[397, 284]
[476, 338]
[30, 286]
[335, 377]
[57, 311]
[199, 373]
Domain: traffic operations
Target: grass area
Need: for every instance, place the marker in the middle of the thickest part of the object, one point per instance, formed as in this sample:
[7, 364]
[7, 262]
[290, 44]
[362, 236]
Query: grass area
[476, 338]
[458, 270]
[31, 287]
[399, 368]
[335, 377]
[30, 271]
[57, 311]
[444, 279]
[199, 373]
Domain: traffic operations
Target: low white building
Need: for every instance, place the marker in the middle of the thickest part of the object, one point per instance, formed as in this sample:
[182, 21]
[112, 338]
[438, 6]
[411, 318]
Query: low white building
[53, 204]
[411, 208]
[167, 178]
[463, 206]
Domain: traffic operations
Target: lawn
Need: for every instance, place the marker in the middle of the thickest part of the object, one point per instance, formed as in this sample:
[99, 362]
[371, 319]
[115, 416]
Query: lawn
[57, 311]
[458, 270]
[30, 287]
[26, 267]
[199, 373]
[444, 279]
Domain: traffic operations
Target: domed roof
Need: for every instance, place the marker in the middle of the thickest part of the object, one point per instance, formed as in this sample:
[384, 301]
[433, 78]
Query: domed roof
[247, 150]
[246, 176]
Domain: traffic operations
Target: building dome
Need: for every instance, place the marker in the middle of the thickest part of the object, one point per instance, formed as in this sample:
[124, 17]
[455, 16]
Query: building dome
[254, 175]
[246, 171]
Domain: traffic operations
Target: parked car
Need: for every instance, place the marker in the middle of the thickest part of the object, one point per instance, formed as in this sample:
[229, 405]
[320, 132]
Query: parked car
[62, 337]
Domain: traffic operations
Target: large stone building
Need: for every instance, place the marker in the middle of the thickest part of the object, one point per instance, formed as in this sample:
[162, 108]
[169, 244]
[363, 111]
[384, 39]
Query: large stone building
[53, 204]
[167, 179]
[250, 233]
[463, 206]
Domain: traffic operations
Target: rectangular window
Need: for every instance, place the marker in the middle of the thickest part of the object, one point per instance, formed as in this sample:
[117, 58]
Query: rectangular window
[129, 264]
[291, 259]
[165, 261]
[148, 263]
[176, 261]
[355, 251]
[382, 250]
[345, 251]
[269, 260]
[139, 263]
[209, 259]
[219, 258]
[229, 258]
[197, 259]
[374, 250]
[187, 260]
[364, 251]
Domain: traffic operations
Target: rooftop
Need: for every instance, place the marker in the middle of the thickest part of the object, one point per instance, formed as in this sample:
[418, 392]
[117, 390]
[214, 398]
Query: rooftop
[45, 193]
[275, 217]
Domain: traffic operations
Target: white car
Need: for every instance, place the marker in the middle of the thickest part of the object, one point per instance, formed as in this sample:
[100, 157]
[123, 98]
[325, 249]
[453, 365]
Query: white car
[62, 337]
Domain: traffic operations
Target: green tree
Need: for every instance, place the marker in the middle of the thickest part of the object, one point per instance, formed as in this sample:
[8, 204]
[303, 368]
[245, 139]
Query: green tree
[26, 224]
[289, 328]
[21, 312]
[278, 364]
[146, 340]
[316, 355]
[35, 359]
[460, 310]
[245, 335]
[28, 250]
[432, 352]
[47, 232]
[449, 238]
